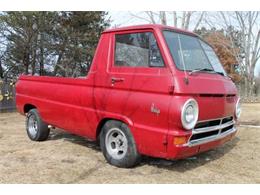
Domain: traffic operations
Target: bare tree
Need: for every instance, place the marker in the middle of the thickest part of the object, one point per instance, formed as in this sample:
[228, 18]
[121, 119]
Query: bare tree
[162, 16]
[150, 14]
[186, 17]
[249, 27]
[175, 19]
[199, 20]
[179, 19]
[148, 17]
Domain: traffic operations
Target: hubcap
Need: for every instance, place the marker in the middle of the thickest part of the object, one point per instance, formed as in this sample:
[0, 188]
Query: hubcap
[32, 126]
[116, 143]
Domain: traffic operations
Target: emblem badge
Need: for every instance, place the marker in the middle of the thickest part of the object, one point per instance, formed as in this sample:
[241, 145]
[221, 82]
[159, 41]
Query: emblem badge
[154, 109]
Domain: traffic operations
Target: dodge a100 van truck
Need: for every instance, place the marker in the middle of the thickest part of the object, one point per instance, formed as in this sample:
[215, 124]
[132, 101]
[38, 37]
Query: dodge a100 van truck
[151, 90]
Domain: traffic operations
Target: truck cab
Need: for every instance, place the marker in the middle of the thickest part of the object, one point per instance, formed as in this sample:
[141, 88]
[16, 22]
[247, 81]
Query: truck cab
[151, 90]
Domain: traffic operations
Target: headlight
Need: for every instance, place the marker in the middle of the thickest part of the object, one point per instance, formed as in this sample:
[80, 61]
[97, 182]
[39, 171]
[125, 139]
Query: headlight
[238, 108]
[189, 114]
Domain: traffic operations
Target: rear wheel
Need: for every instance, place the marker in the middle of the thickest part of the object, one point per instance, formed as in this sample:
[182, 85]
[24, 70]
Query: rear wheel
[118, 145]
[37, 130]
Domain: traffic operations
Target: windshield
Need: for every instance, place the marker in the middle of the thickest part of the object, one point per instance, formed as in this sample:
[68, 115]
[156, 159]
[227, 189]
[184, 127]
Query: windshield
[190, 53]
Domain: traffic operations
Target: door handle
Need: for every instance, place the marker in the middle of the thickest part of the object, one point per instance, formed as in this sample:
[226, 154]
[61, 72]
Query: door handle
[115, 80]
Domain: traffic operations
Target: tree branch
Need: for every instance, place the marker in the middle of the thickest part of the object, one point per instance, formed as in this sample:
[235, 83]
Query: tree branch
[199, 21]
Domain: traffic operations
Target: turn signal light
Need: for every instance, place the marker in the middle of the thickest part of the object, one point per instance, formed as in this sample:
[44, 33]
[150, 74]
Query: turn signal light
[179, 140]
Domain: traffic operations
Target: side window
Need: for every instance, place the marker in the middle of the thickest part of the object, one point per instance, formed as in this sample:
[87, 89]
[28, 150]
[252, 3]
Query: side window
[137, 50]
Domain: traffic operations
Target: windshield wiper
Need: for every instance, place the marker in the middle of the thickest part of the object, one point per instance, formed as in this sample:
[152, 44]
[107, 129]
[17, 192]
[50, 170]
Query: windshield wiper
[221, 73]
[205, 70]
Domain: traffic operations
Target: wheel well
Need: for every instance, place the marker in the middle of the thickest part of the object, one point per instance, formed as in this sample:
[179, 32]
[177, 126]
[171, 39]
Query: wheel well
[101, 124]
[28, 107]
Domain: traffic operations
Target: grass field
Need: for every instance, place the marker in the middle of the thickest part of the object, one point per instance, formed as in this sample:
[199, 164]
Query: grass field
[66, 158]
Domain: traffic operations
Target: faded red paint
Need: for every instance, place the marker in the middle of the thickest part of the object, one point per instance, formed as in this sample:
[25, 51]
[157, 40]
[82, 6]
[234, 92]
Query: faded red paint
[79, 105]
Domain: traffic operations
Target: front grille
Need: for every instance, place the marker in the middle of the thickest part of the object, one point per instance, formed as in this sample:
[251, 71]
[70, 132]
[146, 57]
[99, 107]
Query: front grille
[202, 135]
[227, 128]
[207, 124]
[225, 120]
[212, 128]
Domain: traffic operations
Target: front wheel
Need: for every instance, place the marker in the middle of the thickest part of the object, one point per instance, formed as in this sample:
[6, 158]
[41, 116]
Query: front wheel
[118, 145]
[37, 130]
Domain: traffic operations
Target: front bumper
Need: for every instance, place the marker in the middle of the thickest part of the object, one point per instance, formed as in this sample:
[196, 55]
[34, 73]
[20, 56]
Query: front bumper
[211, 138]
[202, 139]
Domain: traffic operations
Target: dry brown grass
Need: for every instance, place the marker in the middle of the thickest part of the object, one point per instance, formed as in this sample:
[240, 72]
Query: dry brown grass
[66, 158]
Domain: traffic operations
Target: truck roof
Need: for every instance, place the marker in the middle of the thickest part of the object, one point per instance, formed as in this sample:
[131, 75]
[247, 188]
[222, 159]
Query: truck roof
[149, 26]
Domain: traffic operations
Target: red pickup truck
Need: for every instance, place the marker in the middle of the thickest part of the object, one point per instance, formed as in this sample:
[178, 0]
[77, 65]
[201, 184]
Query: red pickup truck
[151, 90]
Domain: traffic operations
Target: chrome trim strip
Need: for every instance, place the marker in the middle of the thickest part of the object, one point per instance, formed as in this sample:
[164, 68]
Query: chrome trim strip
[215, 119]
[211, 138]
[212, 128]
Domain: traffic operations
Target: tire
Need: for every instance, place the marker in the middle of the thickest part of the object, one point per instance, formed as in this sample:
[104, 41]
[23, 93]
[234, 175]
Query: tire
[37, 130]
[118, 145]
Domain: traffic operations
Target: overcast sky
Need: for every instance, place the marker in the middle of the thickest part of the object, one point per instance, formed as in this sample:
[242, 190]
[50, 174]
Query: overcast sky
[126, 18]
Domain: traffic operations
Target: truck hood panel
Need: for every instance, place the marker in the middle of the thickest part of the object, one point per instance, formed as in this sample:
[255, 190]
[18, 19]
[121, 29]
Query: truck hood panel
[204, 85]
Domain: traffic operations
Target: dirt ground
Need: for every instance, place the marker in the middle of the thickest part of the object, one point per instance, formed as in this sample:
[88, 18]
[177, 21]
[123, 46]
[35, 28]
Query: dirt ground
[66, 158]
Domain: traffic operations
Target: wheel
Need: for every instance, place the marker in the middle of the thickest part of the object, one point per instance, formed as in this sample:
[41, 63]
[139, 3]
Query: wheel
[118, 145]
[37, 130]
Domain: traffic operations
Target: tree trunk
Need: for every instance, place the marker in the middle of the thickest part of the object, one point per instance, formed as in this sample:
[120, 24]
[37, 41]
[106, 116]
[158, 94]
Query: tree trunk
[33, 61]
[251, 89]
[199, 21]
[41, 61]
[251, 84]
[187, 20]
[26, 62]
[175, 19]
[1, 70]
[245, 87]
[183, 19]
[151, 16]
[163, 17]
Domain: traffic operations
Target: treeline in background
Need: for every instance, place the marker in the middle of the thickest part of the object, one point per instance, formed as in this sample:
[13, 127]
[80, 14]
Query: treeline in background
[63, 43]
[49, 43]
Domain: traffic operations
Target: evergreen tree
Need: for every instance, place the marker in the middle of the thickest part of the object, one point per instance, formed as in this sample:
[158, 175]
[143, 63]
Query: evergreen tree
[50, 43]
